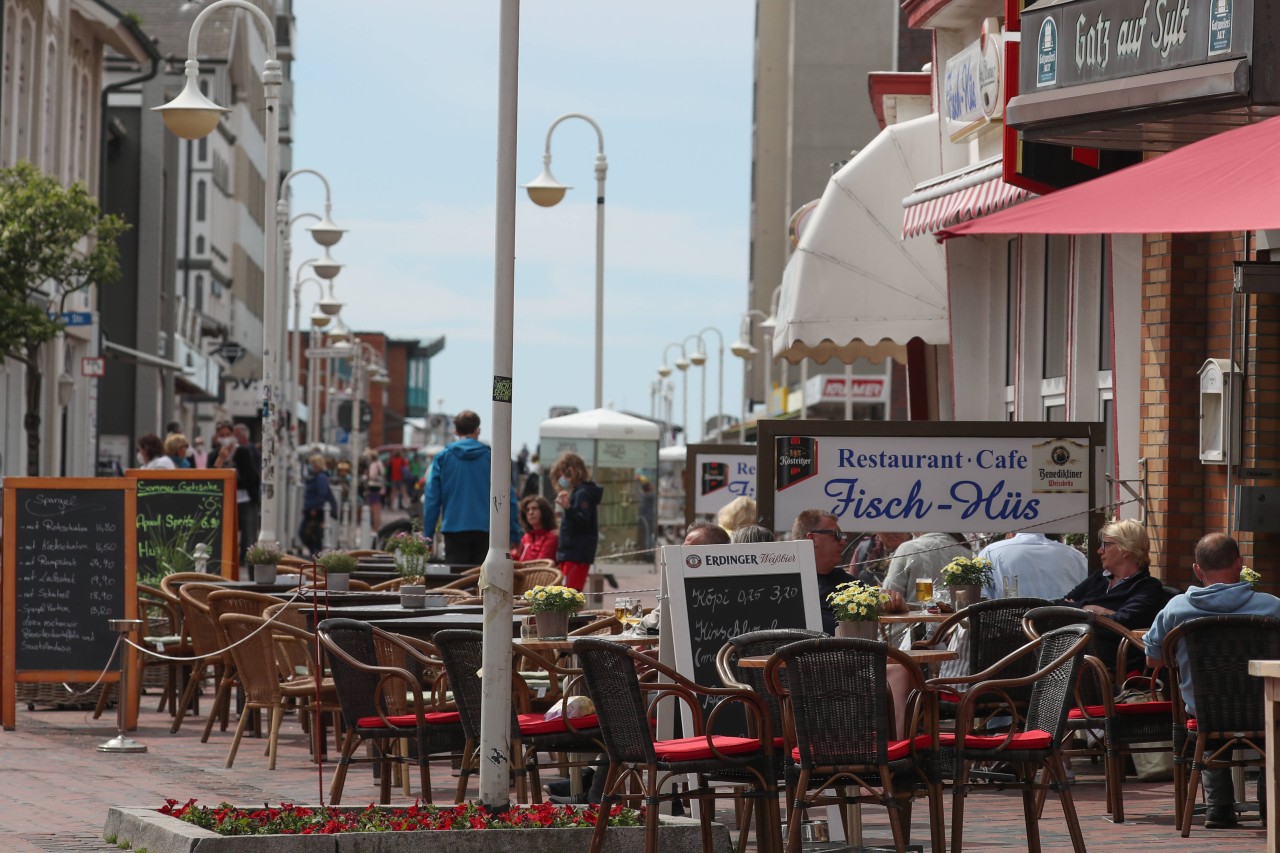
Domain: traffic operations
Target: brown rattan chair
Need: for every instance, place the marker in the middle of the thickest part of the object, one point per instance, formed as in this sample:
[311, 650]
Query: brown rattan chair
[370, 693]
[534, 564]
[207, 644]
[1127, 728]
[392, 585]
[1033, 743]
[466, 581]
[642, 768]
[839, 728]
[1229, 702]
[161, 632]
[172, 582]
[461, 653]
[523, 580]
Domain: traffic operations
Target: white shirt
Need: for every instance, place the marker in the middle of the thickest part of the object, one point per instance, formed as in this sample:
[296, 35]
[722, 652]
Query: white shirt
[1044, 568]
[160, 462]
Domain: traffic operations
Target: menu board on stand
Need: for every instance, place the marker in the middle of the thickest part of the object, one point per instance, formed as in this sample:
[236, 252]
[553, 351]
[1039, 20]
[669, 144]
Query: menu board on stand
[179, 511]
[70, 565]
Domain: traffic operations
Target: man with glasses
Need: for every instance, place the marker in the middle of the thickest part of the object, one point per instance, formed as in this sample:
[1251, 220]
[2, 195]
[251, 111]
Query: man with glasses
[823, 529]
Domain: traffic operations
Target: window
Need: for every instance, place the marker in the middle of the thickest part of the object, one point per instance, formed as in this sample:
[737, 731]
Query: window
[199, 292]
[200, 245]
[202, 199]
[1010, 302]
[1104, 309]
[202, 149]
[1057, 274]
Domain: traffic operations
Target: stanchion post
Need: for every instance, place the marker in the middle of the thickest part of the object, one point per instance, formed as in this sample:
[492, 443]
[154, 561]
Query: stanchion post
[122, 742]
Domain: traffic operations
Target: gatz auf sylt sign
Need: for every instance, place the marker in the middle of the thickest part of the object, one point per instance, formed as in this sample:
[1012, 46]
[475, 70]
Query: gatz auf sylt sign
[962, 484]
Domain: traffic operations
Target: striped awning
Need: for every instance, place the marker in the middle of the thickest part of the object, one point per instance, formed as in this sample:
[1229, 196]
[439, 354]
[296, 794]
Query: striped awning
[958, 197]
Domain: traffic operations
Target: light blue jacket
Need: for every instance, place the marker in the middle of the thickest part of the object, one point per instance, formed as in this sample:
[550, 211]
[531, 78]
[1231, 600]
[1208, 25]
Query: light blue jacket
[458, 489]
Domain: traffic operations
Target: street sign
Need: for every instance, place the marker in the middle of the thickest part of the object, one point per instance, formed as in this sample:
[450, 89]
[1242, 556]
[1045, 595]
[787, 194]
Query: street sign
[73, 318]
[231, 352]
[327, 352]
[344, 414]
[93, 366]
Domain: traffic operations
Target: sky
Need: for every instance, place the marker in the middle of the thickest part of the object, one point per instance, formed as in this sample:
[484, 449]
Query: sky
[396, 104]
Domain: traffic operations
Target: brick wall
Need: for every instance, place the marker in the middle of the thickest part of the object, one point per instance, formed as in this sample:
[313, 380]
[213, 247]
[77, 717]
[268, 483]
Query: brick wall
[1187, 299]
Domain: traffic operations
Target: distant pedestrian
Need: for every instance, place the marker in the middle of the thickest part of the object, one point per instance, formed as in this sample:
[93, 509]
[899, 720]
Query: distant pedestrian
[457, 495]
[199, 456]
[151, 455]
[375, 481]
[578, 500]
[176, 447]
[315, 498]
[398, 477]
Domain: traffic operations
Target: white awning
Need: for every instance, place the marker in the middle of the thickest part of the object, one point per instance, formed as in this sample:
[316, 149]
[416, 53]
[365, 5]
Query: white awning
[138, 357]
[599, 423]
[854, 288]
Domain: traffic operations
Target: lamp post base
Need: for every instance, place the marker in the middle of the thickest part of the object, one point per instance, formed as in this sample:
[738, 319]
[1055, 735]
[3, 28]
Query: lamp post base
[122, 743]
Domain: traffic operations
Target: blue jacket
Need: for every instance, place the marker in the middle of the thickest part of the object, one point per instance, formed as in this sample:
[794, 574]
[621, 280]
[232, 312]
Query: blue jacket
[579, 528]
[1219, 599]
[458, 489]
[318, 494]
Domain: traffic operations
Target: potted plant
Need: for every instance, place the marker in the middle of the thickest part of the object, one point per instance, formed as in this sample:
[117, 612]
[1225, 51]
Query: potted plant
[1250, 576]
[412, 551]
[857, 607]
[553, 606]
[264, 558]
[336, 566]
[966, 576]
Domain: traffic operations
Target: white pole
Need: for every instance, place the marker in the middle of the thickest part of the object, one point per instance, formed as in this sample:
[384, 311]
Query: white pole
[357, 444]
[768, 373]
[496, 574]
[601, 169]
[272, 316]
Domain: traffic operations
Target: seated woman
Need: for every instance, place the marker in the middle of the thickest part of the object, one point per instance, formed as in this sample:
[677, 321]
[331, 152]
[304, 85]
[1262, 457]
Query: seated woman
[540, 537]
[1124, 590]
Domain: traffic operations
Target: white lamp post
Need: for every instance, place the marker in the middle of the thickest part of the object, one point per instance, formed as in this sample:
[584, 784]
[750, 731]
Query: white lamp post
[700, 357]
[191, 116]
[546, 191]
[326, 308]
[683, 365]
[664, 370]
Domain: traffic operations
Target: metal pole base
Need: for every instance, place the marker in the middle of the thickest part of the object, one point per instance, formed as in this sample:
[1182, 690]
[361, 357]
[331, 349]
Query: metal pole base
[122, 743]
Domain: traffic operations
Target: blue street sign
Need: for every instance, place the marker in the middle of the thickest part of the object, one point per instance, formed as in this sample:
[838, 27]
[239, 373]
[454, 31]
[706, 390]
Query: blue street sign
[342, 436]
[73, 318]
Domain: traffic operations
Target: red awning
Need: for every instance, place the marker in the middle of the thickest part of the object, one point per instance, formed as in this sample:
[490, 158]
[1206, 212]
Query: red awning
[1228, 182]
[958, 197]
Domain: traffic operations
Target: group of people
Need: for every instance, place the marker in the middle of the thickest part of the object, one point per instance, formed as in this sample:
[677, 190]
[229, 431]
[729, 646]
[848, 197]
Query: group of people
[456, 504]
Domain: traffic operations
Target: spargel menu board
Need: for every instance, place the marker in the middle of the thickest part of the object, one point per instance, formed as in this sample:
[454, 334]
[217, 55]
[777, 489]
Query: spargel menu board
[69, 566]
[181, 509]
[720, 591]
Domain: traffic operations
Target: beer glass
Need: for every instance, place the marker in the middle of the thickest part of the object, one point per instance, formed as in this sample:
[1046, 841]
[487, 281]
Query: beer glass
[621, 608]
[924, 591]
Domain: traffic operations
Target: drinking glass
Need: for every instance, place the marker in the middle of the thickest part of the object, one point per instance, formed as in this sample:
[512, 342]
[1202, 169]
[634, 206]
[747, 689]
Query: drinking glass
[1010, 586]
[621, 608]
[924, 591]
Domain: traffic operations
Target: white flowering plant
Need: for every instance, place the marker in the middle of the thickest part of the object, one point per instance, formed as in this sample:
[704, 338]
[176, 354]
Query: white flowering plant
[555, 599]
[966, 571]
[856, 601]
[1250, 576]
[409, 543]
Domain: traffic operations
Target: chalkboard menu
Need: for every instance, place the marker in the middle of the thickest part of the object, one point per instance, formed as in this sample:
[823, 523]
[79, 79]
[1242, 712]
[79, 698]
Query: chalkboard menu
[69, 566]
[181, 510]
[720, 591]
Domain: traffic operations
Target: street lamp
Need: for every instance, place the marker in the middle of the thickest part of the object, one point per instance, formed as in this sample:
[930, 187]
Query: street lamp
[192, 116]
[320, 318]
[682, 364]
[546, 191]
[700, 357]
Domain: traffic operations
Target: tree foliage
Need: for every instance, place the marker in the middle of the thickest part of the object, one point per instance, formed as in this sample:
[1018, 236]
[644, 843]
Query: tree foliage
[48, 234]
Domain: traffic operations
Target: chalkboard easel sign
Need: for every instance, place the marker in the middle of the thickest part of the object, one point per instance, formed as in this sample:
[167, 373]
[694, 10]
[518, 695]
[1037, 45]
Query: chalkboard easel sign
[720, 591]
[69, 566]
[181, 509]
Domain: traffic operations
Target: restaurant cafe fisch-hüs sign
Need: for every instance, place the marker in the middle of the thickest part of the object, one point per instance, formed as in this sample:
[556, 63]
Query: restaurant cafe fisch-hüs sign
[927, 483]
[1085, 41]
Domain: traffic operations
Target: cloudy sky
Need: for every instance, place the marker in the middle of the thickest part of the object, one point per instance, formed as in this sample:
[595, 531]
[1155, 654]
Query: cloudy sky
[397, 106]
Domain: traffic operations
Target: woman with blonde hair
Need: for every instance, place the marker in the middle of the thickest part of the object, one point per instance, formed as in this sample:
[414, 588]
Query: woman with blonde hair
[578, 498]
[738, 512]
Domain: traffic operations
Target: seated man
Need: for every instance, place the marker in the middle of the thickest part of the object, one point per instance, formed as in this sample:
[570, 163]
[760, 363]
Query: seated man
[1217, 565]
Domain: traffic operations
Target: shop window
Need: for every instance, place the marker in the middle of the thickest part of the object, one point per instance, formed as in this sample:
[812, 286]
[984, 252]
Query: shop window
[1011, 268]
[1104, 308]
[1057, 275]
[202, 200]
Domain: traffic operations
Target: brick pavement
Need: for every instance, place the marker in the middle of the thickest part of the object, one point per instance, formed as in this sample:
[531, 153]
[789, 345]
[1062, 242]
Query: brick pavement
[55, 789]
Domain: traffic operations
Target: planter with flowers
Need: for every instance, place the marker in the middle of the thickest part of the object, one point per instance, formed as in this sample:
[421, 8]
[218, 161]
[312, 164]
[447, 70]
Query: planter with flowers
[263, 558]
[336, 566]
[412, 551]
[966, 576]
[553, 606]
[1250, 576]
[468, 828]
[857, 607]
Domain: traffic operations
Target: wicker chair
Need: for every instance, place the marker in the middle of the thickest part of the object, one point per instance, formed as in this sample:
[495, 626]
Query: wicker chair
[610, 671]
[523, 580]
[171, 583]
[993, 630]
[370, 693]
[462, 655]
[161, 631]
[1229, 703]
[207, 643]
[1127, 728]
[839, 733]
[1035, 745]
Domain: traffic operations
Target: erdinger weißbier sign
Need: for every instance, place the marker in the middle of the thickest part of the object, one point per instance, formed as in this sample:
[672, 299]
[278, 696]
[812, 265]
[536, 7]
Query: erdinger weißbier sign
[931, 476]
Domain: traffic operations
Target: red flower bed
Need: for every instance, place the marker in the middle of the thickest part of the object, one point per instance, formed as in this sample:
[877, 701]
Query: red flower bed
[289, 819]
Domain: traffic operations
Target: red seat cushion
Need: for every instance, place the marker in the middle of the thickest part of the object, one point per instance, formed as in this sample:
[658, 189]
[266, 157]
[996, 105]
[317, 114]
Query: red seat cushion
[436, 718]
[1157, 707]
[1192, 725]
[946, 694]
[1034, 739]
[696, 748]
[534, 724]
[897, 748]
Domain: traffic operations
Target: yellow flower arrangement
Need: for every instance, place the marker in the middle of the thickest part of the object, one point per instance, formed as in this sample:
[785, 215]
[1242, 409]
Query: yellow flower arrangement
[966, 571]
[1252, 577]
[555, 599]
[857, 602]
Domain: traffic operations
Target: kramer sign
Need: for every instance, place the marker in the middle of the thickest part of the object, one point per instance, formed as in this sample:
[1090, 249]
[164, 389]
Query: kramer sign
[1086, 41]
[964, 477]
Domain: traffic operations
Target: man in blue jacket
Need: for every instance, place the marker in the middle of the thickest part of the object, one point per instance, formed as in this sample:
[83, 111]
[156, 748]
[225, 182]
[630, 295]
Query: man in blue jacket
[458, 489]
[1217, 565]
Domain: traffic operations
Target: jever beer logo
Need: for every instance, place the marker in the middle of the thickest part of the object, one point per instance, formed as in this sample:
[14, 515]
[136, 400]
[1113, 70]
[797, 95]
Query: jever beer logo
[715, 476]
[797, 459]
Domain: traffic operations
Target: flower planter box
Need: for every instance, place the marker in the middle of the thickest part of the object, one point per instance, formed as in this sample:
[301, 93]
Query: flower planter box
[157, 833]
